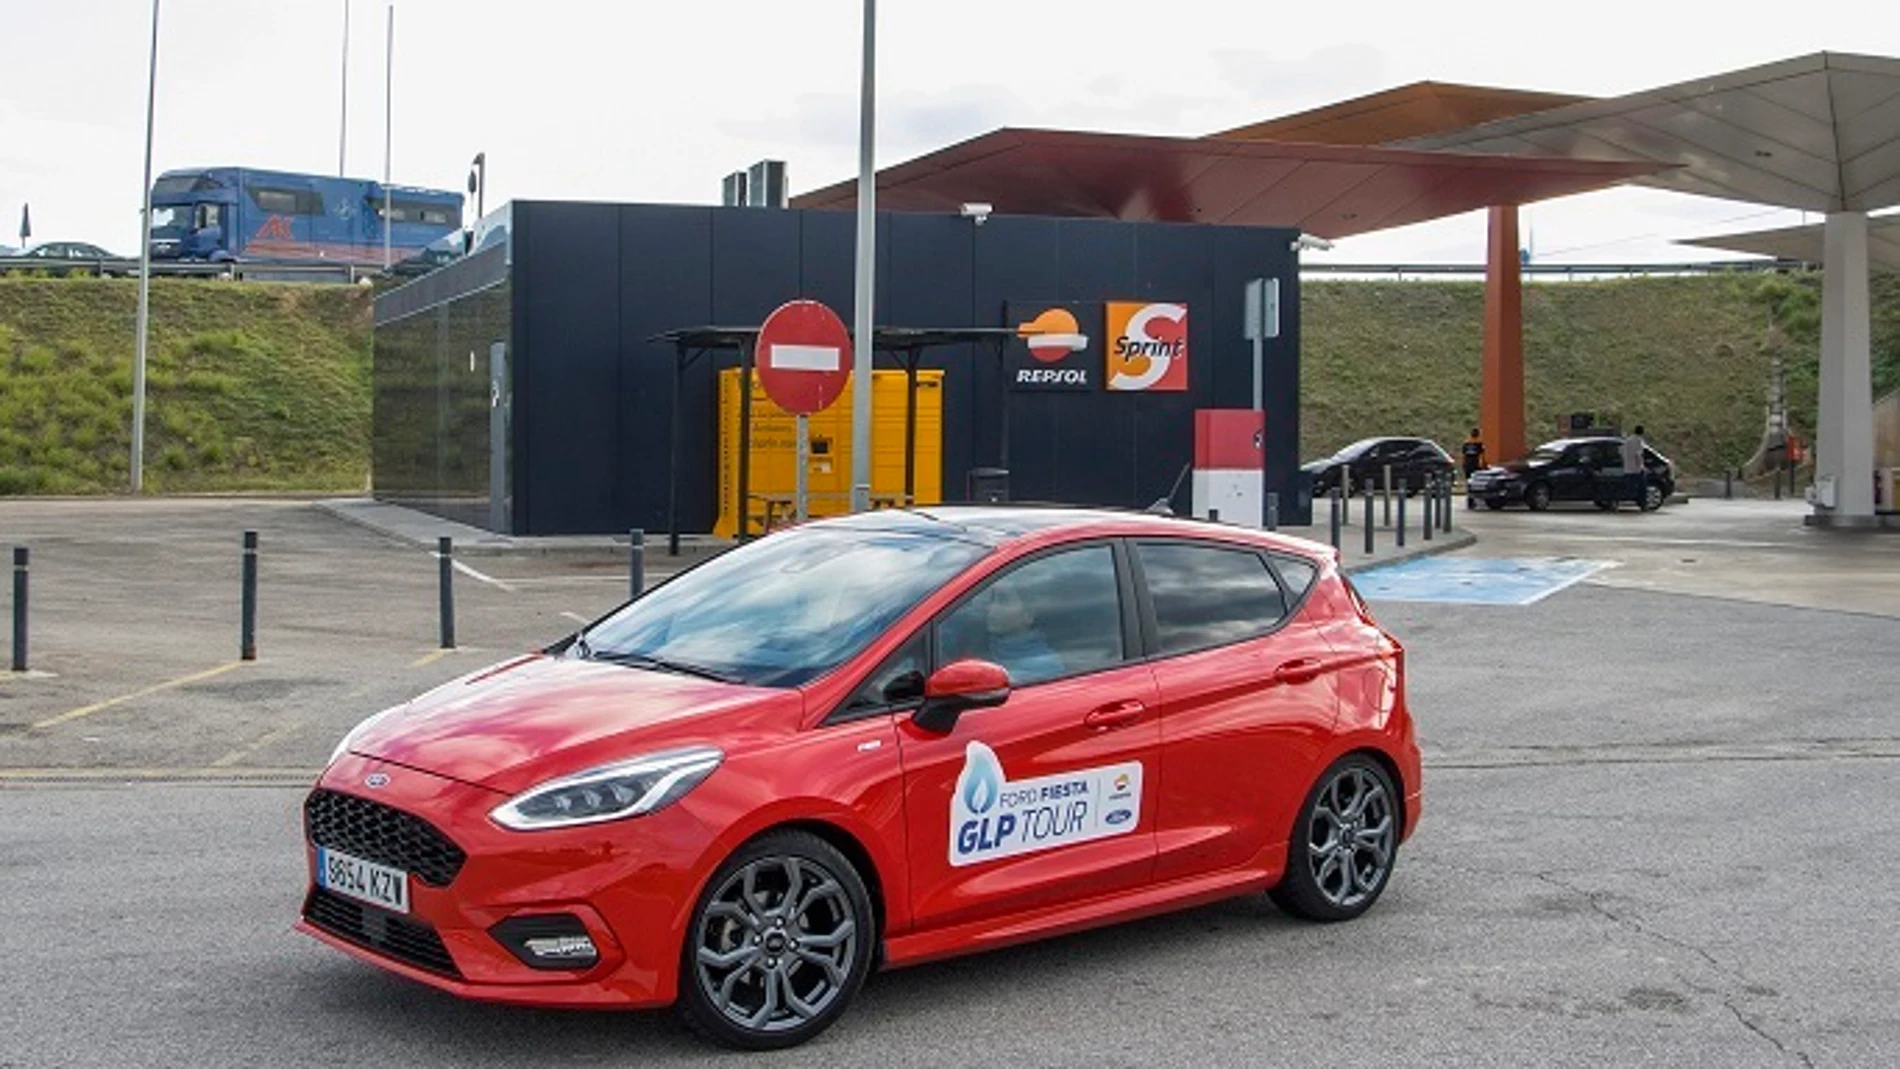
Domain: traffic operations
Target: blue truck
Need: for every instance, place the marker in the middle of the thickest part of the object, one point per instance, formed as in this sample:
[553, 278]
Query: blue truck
[243, 215]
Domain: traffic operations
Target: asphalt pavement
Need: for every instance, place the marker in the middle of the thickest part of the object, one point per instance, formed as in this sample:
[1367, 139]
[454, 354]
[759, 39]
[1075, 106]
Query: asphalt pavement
[1658, 831]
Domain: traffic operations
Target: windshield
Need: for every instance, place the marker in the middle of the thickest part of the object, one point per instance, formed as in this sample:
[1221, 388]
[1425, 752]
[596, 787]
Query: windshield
[783, 610]
[168, 217]
[1356, 448]
[1545, 453]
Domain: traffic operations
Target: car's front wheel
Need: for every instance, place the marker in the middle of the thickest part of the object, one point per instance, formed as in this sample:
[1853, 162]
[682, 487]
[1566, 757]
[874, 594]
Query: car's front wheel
[779, 944]
[1537, 496]
[1653, 497]
[1340, 856]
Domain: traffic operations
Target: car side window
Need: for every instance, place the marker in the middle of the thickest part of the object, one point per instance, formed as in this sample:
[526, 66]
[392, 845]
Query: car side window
[898, 683]
[1208, 595]
[1057, 615]
[1296, 573]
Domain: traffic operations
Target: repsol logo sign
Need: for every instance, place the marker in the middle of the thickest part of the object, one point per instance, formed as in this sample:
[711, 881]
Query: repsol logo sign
[1052, 376]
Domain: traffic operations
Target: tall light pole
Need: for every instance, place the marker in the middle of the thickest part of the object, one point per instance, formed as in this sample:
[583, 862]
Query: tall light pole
[866, 272]
[145, 273]
[389, 112]
[343, 127]
[478, 181]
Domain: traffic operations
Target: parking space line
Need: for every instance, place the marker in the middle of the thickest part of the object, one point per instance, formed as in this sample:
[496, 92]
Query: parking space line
[576, 617]
[429, 658]
[269, 737]
[88, 710]
[499, 584]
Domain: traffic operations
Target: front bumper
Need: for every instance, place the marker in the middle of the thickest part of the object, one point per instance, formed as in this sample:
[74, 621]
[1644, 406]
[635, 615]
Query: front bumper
[1481, 489]
[628, 901]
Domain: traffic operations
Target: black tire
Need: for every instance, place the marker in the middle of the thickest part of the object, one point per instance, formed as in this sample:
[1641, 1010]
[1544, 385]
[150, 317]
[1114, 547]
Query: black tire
[1347, 832]
[1607, 504]
[1537, 496]
[786, 868]
[1493, 504]
[1654, 495]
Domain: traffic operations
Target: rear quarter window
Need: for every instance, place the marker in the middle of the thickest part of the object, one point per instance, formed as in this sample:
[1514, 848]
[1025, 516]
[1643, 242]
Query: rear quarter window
[1207, 595]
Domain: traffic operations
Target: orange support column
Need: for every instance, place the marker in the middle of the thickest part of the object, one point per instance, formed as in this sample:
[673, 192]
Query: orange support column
[1501, 401]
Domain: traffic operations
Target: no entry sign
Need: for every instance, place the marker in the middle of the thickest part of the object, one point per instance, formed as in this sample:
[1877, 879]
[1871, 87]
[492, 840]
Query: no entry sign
[804, 357]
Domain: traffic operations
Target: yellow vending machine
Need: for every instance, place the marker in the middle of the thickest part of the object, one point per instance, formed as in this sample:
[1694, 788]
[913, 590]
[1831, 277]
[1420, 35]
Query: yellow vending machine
[774, 452]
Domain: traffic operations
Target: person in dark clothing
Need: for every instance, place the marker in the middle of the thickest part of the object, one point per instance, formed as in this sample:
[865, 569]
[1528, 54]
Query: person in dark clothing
[1473, 453]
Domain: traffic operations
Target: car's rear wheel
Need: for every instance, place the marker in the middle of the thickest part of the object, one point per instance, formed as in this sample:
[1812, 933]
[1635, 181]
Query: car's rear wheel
[1340, 856]
[1537, 496]
[1493, 504]
[779, 944]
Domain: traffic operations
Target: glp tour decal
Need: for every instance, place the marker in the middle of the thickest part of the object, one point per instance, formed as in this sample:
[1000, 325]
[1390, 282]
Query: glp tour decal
[992, 817]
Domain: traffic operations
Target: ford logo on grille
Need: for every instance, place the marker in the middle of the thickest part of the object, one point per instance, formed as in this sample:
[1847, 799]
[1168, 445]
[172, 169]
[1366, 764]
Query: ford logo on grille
[376, 779]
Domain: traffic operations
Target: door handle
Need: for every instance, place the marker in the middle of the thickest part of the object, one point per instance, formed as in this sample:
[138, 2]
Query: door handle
[1299, 670]
[1117, 715]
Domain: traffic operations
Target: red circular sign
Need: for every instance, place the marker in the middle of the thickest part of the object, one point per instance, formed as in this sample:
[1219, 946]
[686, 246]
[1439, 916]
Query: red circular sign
[803, 357]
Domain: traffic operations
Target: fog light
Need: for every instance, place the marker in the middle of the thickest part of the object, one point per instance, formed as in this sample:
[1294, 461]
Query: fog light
[548, 941]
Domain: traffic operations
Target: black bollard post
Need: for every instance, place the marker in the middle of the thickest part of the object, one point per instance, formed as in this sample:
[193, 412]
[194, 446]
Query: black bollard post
[1273, 510]
[445, 581]
[1728, 485]
[1335, 524]
[247, 601]
[19, 608]
[1444, 506]
[1369, 549]
[1428, 500]
[1213, 515]
[1399, 528]
[1777, 478]
[637, 561]
[1387, 486]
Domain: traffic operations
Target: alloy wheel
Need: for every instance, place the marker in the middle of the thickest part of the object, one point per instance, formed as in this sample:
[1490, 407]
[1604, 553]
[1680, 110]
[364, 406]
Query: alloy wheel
[776, 943]
[1350, 838]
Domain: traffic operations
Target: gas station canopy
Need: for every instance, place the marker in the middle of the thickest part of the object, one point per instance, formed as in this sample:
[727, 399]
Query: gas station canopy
[1803, 244]
[1329, 190]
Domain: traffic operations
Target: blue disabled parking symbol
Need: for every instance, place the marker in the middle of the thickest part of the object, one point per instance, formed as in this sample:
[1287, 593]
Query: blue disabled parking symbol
[1476, 581]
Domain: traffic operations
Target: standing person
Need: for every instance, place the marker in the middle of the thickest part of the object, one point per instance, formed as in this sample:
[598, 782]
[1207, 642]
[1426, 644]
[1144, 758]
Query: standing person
[1635, 471]
[1474, 459]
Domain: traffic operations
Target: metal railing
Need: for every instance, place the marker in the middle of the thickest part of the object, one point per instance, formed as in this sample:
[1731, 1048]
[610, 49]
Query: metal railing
[239, 270]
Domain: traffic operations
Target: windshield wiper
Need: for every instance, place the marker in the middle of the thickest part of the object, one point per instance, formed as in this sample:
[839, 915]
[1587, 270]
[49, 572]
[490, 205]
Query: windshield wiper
[660, 664]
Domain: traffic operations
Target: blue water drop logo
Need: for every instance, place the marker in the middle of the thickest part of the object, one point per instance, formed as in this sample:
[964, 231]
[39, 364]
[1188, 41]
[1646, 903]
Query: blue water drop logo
[982, 779]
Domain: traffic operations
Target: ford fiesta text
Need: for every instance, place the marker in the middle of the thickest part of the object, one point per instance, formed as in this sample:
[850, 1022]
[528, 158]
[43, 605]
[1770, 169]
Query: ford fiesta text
[880, 739]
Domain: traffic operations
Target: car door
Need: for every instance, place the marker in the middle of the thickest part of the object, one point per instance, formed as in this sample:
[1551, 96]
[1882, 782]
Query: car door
[1049, 797]
[1248, 696]
[1571, 477]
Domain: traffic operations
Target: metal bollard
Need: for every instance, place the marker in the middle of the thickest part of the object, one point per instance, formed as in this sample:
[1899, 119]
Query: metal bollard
[247, 601]
[1399, 528]
[1369, 549]
[1388, 494]
[445, 581]
[1728, 485]
[1273, 510]
[1213, 515]
[1777, 485]
[1428, 501]
[1335, 527]
[1444, 507]
[19, 608]
[637, 561]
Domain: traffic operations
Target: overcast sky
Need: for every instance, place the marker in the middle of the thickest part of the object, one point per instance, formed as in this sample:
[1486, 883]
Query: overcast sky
[655, 100]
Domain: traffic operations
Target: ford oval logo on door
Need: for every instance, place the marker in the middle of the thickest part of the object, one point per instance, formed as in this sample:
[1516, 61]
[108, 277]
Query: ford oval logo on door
[376, 779]
[1118, 816]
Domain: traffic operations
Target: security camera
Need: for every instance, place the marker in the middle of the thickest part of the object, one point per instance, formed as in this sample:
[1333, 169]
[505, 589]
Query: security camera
[977, 211]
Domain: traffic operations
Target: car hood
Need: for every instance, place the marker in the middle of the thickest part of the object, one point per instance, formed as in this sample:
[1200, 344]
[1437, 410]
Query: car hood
[517, 724]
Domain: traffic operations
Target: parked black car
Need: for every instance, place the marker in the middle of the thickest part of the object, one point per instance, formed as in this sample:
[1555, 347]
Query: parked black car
[1414, 461]
[1572, 469]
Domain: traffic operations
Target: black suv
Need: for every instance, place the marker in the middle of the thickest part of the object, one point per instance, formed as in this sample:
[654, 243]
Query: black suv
[1572, 469]
[1414, 462]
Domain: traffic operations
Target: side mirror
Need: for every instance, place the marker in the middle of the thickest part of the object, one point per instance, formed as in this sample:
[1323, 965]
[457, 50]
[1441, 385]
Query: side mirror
[956, 687]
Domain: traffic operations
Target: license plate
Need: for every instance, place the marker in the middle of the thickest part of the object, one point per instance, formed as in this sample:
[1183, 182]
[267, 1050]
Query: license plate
[365, 881]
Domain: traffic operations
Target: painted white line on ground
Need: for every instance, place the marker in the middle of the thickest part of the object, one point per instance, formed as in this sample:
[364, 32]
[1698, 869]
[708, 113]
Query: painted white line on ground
[1730, 543]
[1570, 582]
[499, 584]
[576, 617]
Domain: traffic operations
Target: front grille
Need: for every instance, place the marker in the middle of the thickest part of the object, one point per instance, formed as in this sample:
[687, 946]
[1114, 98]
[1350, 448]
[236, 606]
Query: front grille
[376, 832]
[410, 942]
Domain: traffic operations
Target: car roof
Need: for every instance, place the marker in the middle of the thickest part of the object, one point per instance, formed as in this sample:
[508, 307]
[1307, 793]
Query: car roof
[998, 525]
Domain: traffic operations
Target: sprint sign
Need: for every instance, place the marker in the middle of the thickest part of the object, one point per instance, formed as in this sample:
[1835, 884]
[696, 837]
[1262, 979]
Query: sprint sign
[992, 816]
[1147, 346]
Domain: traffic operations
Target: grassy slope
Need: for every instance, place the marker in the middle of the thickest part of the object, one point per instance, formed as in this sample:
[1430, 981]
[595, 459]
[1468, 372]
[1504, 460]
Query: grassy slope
[1688, 358]
[250, 385]
[263, 386]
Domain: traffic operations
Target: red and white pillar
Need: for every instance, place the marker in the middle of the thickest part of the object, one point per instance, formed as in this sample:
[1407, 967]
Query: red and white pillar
[1229, 458]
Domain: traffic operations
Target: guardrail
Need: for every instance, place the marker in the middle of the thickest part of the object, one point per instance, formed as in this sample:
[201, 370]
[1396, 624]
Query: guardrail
[1707, 267]
[240, 270]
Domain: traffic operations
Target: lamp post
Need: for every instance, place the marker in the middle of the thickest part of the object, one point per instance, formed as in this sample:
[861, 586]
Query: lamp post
[478, 181]
[389, 112]
[866, 271]
[145, 273]
[343, 112]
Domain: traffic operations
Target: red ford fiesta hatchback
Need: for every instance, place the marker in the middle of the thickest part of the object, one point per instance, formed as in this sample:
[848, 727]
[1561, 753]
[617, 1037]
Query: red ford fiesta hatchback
[890, 737]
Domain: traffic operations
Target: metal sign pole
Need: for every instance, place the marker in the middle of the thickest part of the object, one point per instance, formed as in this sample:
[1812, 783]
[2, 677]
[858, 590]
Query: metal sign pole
[802, 478]
[145, 274]
[866, 270]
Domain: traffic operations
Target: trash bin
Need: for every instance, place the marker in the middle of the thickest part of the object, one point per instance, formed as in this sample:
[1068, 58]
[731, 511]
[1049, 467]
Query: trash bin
[989, 486]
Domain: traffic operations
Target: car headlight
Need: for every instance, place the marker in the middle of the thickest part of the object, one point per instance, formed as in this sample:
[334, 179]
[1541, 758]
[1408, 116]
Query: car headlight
[349, 738]
[610, 792]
